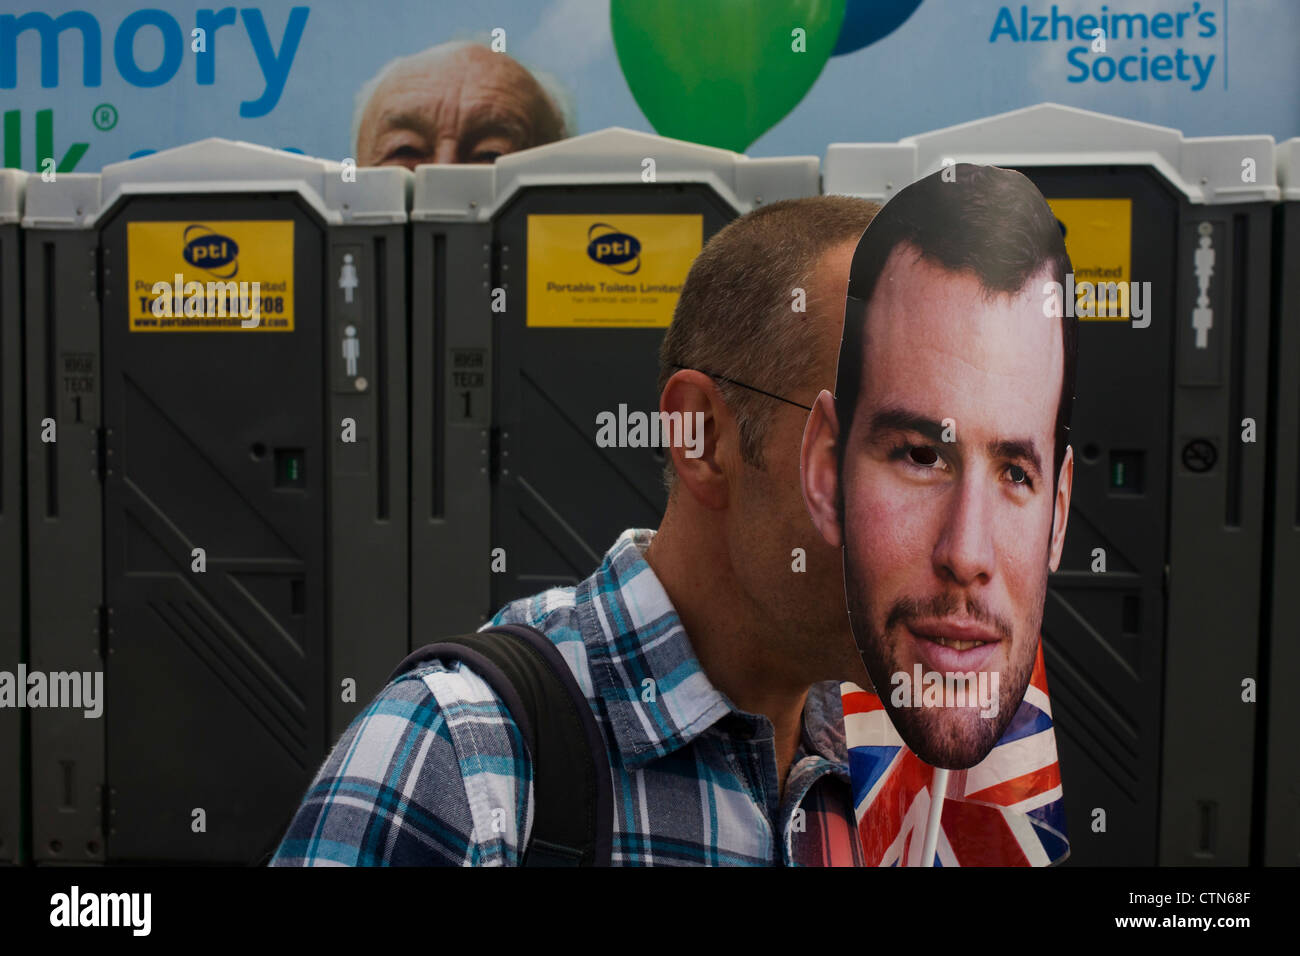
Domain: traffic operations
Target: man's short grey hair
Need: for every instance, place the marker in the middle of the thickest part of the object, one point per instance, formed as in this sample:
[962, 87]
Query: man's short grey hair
[735, 316]
[554, 90]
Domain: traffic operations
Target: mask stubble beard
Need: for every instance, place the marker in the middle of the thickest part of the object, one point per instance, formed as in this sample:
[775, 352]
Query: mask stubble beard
[964, 740]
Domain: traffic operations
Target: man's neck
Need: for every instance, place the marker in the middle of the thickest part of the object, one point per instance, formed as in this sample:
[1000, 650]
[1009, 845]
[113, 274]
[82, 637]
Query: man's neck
[729, 637]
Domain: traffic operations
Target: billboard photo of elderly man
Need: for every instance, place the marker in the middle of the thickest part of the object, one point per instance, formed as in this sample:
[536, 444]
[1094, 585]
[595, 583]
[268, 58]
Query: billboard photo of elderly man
[942, 466]
[458, 102]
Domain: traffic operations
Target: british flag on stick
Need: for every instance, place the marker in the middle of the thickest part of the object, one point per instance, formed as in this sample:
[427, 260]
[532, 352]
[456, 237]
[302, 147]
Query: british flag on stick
[1007, 810]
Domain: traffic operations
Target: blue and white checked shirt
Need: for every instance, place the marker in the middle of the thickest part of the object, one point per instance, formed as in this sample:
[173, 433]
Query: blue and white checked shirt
[435, 771]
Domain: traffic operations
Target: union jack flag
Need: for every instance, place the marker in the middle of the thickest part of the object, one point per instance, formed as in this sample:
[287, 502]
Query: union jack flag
[1007, 810]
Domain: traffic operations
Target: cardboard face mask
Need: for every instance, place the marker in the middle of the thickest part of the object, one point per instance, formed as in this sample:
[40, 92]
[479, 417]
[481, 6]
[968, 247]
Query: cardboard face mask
[940, 466]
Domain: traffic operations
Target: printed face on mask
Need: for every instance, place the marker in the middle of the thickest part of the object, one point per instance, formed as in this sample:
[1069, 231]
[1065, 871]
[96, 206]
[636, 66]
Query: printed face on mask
[949, 512]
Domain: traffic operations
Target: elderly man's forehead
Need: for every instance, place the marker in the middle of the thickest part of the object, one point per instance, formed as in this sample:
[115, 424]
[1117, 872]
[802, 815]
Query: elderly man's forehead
[488, 66]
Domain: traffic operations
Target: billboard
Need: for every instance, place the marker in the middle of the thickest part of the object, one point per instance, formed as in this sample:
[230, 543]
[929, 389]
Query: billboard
[86, 85]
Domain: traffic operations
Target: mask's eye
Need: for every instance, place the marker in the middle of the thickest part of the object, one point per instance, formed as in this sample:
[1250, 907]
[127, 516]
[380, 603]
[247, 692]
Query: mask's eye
[1018, 475]
[924, 455]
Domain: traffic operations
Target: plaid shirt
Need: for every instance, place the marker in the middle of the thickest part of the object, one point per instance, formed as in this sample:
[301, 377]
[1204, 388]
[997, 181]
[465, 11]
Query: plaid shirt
[435, 771]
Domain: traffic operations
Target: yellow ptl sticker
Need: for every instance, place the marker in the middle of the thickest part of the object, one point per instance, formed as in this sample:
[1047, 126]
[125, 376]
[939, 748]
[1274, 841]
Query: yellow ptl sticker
[1098, 237]
[609, 270]
[210, 276]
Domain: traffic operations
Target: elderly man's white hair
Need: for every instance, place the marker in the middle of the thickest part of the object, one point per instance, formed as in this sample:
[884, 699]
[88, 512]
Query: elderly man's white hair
[556, 93]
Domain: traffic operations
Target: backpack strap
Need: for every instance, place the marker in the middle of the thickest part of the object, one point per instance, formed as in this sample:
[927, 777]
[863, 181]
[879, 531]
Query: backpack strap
[573, 801]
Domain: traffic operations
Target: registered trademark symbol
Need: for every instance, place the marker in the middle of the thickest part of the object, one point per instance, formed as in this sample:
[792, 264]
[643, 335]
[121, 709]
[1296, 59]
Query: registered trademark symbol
[104, 116]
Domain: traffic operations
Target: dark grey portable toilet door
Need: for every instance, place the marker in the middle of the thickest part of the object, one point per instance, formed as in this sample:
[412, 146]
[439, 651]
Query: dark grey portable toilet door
[13, 573]
[213, 440]
[1103, 633]
[559, 499]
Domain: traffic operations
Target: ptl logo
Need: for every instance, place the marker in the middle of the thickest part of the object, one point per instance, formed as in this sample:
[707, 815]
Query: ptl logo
[615, 249]
[211, 251]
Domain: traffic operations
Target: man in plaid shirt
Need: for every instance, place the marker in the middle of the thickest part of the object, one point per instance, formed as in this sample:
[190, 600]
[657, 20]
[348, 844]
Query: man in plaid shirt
[710, 650]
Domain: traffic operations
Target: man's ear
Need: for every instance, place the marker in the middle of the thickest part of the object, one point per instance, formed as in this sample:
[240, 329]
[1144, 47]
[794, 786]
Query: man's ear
[1061, 514]
[697, 449]
[819, 469]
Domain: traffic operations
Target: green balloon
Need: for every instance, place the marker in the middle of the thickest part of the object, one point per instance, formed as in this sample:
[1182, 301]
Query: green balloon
[722, 72]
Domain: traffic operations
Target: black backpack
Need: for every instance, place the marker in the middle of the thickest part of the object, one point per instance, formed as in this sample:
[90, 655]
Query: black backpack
[573, 800]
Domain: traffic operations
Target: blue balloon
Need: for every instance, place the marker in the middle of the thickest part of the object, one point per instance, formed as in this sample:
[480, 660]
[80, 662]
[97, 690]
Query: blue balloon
[866, 21]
